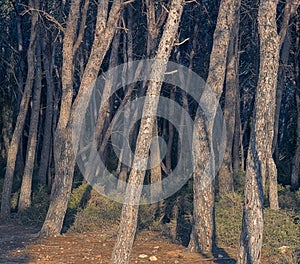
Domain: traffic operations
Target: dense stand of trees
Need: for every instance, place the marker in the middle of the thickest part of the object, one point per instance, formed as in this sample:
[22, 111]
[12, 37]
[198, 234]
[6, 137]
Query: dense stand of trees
[248, 53]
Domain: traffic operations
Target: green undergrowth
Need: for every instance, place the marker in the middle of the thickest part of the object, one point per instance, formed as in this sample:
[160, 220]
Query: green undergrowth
[36, 213]
[90, 211]
[281, 244]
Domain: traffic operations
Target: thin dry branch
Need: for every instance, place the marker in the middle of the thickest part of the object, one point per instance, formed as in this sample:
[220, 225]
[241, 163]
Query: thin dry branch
[82, 26]
[46, 15]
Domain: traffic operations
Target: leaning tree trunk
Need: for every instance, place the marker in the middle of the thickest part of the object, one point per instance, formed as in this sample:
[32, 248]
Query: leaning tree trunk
[14, 144]
[65, 151]
[289, 11]
[128, 223]
[62, 146]
[203, 215]
[259, 160]
[25, 192]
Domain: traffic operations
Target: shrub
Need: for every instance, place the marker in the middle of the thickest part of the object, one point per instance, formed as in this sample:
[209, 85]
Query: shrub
[36, 213]
[288, 199]
[100, 212]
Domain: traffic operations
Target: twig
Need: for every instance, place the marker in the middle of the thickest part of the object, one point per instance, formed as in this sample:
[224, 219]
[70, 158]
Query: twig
[180, 43]
[128, 2]
[48, 17]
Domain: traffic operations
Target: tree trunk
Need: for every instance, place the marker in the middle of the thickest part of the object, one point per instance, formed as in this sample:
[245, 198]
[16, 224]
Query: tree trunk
[65, 151]
[289, 10]
[14, 144]
[259, 160]
[170, 134]
[128, 223]
[156, 176]
[296, 162]
[203, 215]
[232, 85]
[237, 149]
[280, 86]
[47, 136]
[25, 193]
[252, 226]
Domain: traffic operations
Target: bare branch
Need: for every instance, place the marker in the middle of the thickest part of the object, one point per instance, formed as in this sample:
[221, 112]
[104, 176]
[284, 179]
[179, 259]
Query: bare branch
[82, 26]
[180, 43]
[46, 15]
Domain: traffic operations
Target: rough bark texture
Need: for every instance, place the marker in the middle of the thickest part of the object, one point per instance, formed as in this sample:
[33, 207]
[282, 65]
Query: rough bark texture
[232, 85]
[203, 215]
[266, 95]
[64, 149]
[259, 160]
[252, 226]
[14, 144]
[128, 223]
[25, 192]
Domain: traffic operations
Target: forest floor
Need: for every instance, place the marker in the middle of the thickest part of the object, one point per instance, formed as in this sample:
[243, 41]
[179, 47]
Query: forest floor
[19, 244]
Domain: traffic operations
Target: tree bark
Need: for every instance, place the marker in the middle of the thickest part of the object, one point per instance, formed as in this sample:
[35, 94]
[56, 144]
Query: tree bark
[156, 175]
[65, 151]
[232, 85]
[128, 223]
[25, 192]
[203, 215]
[47, 135]
[170, 134]
[289, 10]
[14, 144]
[237, 149]
[259, 159]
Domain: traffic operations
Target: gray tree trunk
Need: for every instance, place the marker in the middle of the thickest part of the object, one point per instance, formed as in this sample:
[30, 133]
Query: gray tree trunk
[128, 223]
[25, 192]
[16, 137]
[47, 135]
[232, 85]
[259, 160]
[289, 10]
[65, 151]
[203, 215]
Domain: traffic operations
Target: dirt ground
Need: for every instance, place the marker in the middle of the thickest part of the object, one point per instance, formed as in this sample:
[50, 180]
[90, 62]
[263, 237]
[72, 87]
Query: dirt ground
[21, 245]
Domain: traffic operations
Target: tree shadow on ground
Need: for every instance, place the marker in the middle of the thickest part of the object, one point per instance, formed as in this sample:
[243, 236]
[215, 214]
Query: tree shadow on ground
[222, 257]
[13, 240]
